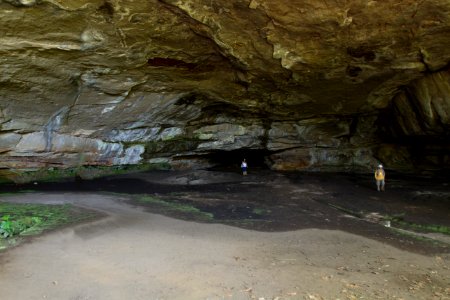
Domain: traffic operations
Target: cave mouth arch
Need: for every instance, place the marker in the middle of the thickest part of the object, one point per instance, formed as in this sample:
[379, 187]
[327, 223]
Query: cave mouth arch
[231, 160]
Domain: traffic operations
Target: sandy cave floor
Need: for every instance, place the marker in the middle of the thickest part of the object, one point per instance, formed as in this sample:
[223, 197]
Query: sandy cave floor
[272, 236]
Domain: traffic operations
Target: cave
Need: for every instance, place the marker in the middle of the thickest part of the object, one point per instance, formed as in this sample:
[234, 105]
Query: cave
[123, 125]
[231, 160]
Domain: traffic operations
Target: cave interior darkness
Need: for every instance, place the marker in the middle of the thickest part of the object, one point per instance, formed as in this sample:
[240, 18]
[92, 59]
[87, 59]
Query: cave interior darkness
[231, 160]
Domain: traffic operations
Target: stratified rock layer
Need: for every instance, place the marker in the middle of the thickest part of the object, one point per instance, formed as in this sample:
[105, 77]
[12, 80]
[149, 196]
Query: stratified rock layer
[317, 85]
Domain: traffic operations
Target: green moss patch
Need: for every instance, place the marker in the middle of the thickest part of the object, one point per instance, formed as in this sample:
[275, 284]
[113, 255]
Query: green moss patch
[398, 221]
[418, 237]
[245, 216]
[174, 207]
[18, 220]
[421, 227]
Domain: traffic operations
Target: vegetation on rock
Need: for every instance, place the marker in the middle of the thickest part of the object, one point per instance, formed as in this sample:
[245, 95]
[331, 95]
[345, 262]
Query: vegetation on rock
[23, 219]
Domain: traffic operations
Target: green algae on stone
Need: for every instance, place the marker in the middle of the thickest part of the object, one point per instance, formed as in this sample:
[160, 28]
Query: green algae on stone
[175, 207]
[422, 227]
[419, 237]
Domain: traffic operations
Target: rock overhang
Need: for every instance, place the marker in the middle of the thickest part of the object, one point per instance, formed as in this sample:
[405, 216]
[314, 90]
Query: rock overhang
[305, 80]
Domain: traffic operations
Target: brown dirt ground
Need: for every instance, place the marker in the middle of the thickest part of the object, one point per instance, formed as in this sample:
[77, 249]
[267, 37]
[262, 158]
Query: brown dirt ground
[272, 236]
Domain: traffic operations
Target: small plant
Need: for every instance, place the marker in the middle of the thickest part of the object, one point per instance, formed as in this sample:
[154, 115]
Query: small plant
[9, 227]
[5, 227]
[28, 219]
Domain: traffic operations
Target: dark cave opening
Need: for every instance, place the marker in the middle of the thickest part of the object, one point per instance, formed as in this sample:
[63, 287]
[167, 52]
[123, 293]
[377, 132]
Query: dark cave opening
[231, 160]
[425, 146]
[169, 62]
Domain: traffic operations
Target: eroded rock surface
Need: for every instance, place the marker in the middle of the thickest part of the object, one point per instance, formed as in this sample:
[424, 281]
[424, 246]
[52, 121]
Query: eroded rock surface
[312, 84]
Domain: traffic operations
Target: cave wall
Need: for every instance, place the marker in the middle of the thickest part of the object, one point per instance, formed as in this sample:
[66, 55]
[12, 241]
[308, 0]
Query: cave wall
[317, 85]
[416, 126]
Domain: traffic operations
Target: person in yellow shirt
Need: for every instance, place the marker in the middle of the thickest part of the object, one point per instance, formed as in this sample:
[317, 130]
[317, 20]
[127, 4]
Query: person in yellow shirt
[379, 177]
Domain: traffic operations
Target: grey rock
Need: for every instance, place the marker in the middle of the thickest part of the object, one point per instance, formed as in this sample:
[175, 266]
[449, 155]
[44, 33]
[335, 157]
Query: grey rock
[8, 141]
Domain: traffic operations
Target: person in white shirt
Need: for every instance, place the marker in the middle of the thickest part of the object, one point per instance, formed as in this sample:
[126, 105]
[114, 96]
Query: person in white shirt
[244, 167]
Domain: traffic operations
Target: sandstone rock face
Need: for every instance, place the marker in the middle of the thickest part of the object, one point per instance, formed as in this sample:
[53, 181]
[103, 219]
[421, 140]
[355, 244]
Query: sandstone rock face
[419, 124]
[423, 108]
[317, 85]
